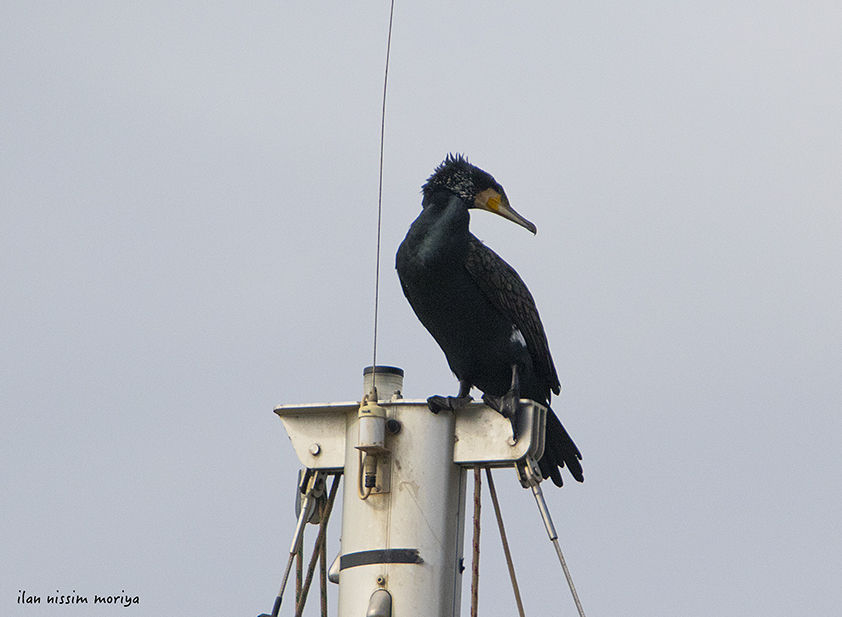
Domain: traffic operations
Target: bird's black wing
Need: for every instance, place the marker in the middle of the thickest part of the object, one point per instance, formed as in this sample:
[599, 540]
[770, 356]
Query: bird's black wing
[507, 291]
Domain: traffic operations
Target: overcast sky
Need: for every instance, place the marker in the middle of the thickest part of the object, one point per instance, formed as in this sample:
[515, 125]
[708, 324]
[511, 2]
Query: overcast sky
[188, 202]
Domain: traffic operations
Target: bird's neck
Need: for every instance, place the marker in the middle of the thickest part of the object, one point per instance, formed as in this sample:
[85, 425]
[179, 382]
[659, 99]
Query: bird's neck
[442, 229]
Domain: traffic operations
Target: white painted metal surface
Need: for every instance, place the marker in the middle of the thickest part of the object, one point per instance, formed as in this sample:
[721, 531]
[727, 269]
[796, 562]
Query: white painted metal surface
[406, 537]
[317, 432]
[423, 512]
[481, 435]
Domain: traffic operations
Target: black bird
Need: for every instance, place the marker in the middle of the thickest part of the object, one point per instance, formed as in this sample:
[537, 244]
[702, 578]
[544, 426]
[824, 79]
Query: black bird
[477, 307]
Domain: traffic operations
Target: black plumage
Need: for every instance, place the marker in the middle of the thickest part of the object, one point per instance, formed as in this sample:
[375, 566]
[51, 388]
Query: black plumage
[477, 307]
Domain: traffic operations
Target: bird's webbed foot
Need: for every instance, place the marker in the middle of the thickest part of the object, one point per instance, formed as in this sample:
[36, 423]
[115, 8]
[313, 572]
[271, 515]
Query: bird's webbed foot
[452, 403]
[506, 405]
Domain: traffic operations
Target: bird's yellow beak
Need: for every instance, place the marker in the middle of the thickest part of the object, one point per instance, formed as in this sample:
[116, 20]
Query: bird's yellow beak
[491, 200]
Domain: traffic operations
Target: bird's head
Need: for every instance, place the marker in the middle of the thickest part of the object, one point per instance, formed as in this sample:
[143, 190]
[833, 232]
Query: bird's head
[477, 188]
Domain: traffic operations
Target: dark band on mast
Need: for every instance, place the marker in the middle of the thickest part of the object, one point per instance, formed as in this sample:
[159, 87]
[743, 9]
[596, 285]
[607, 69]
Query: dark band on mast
[388, 555]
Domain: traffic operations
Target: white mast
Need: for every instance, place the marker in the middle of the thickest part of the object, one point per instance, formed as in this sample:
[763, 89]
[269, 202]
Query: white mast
[402, 537]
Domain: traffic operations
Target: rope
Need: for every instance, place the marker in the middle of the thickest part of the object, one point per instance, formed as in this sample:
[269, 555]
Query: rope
[380, 196]
[299, 571]
[320, 539]
[475, 559]
[509, 562]
[323, 570]
[295, 549]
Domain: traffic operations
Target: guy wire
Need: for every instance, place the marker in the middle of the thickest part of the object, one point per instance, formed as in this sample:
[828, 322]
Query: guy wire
[380, 199]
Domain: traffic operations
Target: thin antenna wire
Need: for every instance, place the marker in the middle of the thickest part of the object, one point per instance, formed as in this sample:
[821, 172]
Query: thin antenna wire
[380, 199]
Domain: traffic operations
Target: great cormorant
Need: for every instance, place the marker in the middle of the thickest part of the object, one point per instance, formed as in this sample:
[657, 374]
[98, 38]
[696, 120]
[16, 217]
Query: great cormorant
[477, 307]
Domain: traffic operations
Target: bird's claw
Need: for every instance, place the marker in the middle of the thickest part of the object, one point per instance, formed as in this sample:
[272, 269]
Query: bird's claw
[452, 403]
[495, 402]
[507, 404]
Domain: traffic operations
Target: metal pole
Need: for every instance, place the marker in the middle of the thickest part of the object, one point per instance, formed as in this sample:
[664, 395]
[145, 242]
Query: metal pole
[406, 537]
[548, 523]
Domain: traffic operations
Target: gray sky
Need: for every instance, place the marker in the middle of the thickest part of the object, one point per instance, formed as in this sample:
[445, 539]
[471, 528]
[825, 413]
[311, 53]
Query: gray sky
[187, 232]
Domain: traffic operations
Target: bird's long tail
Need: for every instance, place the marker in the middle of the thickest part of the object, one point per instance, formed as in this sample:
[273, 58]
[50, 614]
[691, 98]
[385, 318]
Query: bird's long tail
[559, 450]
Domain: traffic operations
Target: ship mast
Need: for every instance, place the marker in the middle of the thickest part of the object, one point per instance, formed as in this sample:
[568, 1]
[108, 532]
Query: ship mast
[403, 510]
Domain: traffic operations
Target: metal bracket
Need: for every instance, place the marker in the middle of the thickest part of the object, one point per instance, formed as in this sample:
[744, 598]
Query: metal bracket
[482, 436]
[528, 472]
[317, 432]
[384, 474]
[485, 437]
